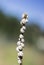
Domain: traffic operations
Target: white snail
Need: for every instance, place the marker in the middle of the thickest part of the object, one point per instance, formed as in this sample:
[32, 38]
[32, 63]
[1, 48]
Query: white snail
[22, 30]
[19, 61]
[22, 40]
[21, 36]
[18, 43]
[22, 44]
[20, 53]
[24, 27]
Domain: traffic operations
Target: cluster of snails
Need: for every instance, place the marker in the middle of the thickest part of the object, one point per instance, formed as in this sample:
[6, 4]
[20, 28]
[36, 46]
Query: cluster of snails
[20, 43]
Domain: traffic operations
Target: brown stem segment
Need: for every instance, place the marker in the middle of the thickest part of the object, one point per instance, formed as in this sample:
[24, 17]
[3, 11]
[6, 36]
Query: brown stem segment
[20, 63]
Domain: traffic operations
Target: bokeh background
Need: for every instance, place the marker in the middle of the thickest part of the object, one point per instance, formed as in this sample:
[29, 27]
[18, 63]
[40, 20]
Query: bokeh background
[10, 16]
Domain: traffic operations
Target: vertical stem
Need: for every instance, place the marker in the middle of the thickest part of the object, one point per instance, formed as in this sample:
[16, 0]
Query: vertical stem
[20, 42]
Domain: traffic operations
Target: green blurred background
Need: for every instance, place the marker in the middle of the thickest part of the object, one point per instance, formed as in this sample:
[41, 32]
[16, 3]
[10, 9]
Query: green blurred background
[10, 30]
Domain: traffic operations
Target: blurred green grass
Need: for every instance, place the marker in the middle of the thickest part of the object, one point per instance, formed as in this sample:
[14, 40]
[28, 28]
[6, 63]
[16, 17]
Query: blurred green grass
[8, 55]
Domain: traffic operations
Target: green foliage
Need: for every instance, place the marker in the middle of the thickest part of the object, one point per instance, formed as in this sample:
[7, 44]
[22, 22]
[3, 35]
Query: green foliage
[32, 33]
[9, 25]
